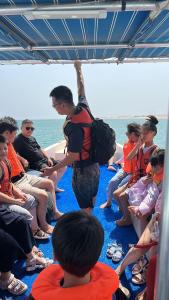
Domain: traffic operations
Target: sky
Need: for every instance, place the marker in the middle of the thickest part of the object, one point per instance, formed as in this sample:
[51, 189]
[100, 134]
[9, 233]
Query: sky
[111, 90]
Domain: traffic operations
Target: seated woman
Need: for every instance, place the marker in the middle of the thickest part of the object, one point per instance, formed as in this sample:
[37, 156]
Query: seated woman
[142, 151]
[31, 153]
[17, 242]
[124, 174]
[147, 239]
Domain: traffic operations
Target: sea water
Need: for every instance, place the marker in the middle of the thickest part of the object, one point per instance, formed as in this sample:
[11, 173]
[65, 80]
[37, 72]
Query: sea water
[48, 132]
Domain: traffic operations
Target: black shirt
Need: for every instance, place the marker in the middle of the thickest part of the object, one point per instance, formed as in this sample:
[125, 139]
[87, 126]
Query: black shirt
[29, 149]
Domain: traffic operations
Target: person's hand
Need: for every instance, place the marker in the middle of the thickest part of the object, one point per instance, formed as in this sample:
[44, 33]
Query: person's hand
[19, 201]
[77, 64]
[50, 162]
[25, 163]
[156, 217]
[47, 171]
[148, 179]
[23, 196]
[135, 211]
[140, 141]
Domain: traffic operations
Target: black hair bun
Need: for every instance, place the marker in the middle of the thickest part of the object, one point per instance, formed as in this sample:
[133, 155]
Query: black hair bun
[152, 119]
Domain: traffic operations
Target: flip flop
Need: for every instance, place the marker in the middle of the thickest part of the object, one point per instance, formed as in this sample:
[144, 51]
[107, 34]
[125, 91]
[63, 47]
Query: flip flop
[13, 286]
[111, 249]
[118, 254]
[139, 266]
[39, 234]
[140, 278]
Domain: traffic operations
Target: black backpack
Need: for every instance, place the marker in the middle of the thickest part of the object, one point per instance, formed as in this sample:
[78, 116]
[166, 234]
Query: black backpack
[103, 140]
[103, 144]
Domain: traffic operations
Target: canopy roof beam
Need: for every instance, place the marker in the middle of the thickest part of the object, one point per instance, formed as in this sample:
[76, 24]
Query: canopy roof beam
[91, 61]
[143, 28]
[73, 47]
[130, 5]
[20, 39]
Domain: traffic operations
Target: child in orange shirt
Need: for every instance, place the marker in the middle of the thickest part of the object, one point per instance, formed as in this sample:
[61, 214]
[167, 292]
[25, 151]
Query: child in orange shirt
[77, 242]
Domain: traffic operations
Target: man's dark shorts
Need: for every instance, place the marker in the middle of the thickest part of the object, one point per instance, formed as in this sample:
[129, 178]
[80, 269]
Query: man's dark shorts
[85, 184]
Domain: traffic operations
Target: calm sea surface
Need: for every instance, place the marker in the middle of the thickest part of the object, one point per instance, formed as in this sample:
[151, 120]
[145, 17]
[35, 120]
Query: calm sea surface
[49, 132]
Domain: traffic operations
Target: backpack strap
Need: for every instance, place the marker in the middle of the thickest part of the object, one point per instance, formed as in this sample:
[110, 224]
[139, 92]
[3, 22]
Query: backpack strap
[90, 114]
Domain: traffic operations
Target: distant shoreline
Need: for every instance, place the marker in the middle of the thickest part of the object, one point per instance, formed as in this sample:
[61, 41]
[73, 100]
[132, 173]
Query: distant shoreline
[160, 117]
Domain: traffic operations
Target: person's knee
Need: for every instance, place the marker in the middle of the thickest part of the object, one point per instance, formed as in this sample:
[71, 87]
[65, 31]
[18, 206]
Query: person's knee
[32, 200]
[42, 196]
[49, 185]
[26, 214]
[116, 194]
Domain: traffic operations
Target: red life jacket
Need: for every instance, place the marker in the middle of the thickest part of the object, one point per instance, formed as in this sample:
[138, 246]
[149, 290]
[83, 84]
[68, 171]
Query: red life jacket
[80, 118]
[142, 162]
[5, 178]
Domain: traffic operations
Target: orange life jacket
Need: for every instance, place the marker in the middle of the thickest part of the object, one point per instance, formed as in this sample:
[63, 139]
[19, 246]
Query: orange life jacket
[129, 165]
[5, 178]
[80, 118]
[103, 284]
[16, 166]
[143, 159]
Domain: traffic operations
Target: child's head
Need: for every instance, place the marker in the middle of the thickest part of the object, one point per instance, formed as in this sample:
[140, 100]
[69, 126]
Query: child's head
[157, 161]
[133, 132]
[8, 128]
[149, 129]
[3, 148]
[77, 242]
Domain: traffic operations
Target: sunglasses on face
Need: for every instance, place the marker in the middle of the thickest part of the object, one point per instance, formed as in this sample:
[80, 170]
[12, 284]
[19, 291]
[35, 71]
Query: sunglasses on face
[30, 128]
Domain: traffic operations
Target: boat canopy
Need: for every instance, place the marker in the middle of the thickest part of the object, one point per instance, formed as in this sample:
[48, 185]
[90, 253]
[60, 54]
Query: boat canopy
[61, 31]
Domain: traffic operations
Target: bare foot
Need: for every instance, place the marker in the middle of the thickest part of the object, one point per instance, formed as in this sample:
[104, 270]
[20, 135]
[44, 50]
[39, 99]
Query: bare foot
[57, 215]
[58, 190]
[123, 222]
[37, 252]
[111, 168]
[105, 205]
[47, 228]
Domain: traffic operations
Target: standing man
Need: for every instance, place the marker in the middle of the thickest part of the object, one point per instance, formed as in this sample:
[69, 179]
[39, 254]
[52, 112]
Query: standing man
[85, 172]
[30, 152]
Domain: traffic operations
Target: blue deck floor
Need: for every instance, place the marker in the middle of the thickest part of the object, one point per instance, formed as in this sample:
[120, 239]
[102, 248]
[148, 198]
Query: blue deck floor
[66, 202]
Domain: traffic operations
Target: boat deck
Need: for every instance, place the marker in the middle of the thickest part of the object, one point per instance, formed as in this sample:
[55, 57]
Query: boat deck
[66, 202]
